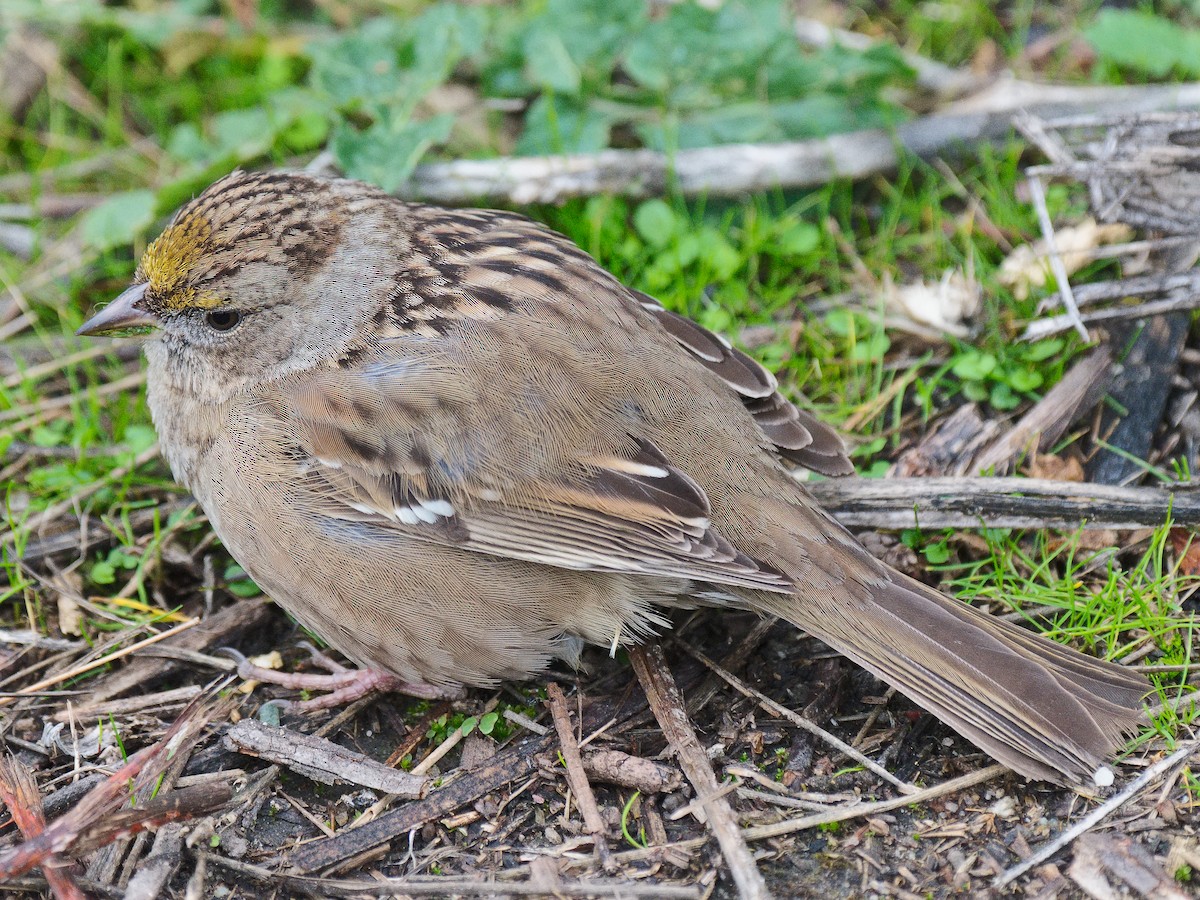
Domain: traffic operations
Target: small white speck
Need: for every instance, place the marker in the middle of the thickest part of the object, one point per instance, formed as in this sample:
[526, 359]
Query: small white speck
[329, 463]
[363, 508]
[1103, 777]
[407, 516]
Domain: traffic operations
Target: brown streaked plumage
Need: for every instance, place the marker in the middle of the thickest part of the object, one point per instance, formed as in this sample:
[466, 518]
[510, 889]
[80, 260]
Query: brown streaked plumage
[454, 446]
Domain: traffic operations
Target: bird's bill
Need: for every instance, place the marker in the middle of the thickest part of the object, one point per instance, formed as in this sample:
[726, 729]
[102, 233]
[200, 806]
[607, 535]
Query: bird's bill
[122, 313]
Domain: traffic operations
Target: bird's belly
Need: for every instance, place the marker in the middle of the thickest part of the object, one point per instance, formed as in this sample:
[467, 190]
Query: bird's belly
[424, 611]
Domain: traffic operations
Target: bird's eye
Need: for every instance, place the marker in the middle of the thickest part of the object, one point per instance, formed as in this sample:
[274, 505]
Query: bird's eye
[223, 319]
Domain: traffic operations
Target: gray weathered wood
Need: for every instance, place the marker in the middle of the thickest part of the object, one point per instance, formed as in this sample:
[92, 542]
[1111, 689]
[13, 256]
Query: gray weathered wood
[896, 503]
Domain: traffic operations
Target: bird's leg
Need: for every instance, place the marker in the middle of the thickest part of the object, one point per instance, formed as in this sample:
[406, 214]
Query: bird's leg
[343, 685]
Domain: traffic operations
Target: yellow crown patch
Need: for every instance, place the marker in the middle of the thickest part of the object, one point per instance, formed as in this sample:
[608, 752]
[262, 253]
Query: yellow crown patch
[168, 262]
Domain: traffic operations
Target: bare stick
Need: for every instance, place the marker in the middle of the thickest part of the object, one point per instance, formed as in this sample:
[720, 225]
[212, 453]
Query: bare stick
[1038, 194]
[321, 759]
[96, 663]
[1054, 324]
[667, 703]
[735, 169]
[576, 776]
[444, 887]
[898, 503]
[854, 811]
[1093, 818]
[800, 722]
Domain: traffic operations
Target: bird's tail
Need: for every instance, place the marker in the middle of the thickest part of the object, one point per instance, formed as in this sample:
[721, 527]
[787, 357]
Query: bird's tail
[1044, 710]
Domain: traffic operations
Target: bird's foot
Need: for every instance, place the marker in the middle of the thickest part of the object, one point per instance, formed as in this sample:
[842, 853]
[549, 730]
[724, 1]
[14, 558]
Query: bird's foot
[341, 686]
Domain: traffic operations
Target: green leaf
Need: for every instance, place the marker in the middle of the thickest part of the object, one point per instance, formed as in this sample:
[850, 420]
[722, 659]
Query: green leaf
[387, 152]
[720, 256]
[487, 724]
[840, 321]
[119, 219]
[549, 62]
[363, 65]
[1145, 42]
[798, 239]
[975, 391]
[974, 366]
[104, 573]
[307, 132]
[937, 553]
[687, 249]
[468, 725]
[1025, 380]
[1044, 349]
[444, 35]
[239, 135]
[874, 346]
[238, 583]
[655, 221]
[51, 434]
[1002, 396]
[139, 437]
[557, 124]
[118, 558]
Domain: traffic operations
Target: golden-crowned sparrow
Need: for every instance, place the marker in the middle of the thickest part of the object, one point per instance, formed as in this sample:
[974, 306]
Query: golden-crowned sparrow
[452, 445]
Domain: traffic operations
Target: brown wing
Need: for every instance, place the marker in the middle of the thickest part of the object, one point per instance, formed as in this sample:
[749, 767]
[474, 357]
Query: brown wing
[799, 436]
[378, 444]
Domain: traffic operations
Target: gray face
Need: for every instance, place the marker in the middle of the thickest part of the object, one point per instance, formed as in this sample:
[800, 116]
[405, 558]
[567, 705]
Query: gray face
[248, 284]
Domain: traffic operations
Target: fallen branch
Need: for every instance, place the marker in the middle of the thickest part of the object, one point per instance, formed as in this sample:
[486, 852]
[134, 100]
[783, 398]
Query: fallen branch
[625, 770]
[736, 169]
[857, 810]
[445, 887]
[899, 503]
[661, 691]
[1179, 301]
[320, 759]
[516, 763]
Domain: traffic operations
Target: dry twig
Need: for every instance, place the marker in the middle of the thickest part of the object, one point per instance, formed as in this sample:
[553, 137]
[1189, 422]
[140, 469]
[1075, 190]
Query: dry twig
[800, 722]
[667, 703]
[444, 887]
[321, 759]
[576, 776]
[1109, 806]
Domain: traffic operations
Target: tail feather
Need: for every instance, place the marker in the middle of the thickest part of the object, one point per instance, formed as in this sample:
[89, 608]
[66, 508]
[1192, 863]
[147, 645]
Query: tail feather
[1042, 709]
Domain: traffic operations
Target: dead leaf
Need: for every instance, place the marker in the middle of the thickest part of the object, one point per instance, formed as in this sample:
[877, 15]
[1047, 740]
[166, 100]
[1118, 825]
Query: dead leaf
[1028, 266]
[1056, 468]
[1184, 542]
[947, 305]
